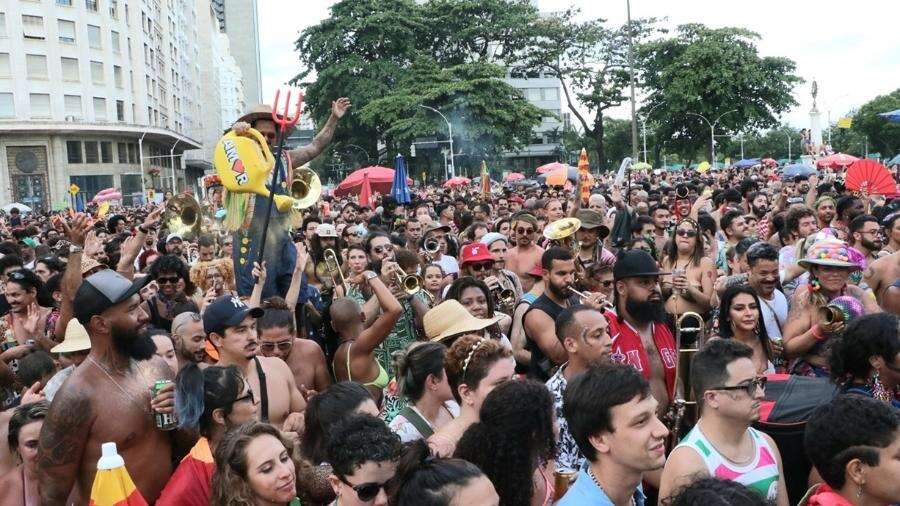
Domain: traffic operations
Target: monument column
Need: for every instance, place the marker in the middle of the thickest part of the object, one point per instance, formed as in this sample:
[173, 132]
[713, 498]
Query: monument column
[815, 128]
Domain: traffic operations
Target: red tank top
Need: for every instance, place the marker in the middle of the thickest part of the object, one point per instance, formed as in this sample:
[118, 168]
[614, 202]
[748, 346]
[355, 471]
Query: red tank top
[628, 348]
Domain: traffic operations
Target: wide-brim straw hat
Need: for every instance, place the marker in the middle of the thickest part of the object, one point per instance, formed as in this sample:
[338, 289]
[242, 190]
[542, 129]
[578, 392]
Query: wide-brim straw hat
[450, 318]
[257, 112]
[76, 339]
[829, 252]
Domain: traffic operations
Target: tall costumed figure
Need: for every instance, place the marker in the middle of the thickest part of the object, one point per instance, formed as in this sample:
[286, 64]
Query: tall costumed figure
[264, 192]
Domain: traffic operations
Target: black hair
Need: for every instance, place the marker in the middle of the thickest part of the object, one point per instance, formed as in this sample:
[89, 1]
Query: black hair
[456, 289]
[206, 241]
[857, 223]
[358, 439]
[761, 251]
[53, 263]
[371, 237]
[744, 244]
[590, 397]
[10, 248]
[658, 207]
[514, 433]
[414, 364]
[794, 215]
[716, 492]
[725, 330]
[709, 367]
[34, 366]
[847, 428]
[555, 253]
[22, 416]
[113, 222]
[728, 218]
[324, 410]
[874, 335]
[749, 189]
[566, 319]
[707, 223]
[199, 392]
[427, 481]
[843, 204]
[672, 248]
[732, 195]
[172, 263]
[277, 316]
[10, 260]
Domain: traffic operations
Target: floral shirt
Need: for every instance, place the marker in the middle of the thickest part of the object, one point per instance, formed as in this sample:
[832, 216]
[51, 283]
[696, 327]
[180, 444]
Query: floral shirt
[568, 455]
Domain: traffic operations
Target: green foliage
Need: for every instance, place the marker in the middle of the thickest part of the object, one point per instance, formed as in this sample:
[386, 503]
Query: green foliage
[711, 71]
[884, 136]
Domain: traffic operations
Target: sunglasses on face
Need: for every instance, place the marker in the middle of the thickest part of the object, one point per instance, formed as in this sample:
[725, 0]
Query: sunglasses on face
[172, 280]
[484, 266]
[524, 231]
[382, 249]
[282, 346]
[750, 387]
[683, 232]
[246, 397]
[365, 491]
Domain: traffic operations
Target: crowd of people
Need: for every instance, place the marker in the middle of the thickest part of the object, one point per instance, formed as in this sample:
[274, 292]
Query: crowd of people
[522, 347]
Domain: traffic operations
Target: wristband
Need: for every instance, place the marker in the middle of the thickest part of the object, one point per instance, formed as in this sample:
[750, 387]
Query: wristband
[817, 333]
[143, 230]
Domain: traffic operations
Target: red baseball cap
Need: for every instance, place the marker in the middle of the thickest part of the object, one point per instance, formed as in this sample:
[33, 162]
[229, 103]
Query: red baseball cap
[475, 252]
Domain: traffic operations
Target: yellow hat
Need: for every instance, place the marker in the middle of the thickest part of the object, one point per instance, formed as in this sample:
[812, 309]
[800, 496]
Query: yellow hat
[450, 318]
[76, 339]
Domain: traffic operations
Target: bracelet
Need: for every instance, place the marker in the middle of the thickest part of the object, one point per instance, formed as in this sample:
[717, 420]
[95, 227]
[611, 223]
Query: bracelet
[816, 333]
[143, 230]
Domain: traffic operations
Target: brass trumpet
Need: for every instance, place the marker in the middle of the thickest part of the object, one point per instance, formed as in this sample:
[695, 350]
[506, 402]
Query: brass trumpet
[333, 268]
[306, 188]
[607, 305]
[684, 403]
[832, 315]
[411, 283]
[431, 248]
[183, 216]
[504, 296]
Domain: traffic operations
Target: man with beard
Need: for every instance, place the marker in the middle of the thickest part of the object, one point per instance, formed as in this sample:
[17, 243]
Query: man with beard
[661, 221]
[590, 237]
[865, 236]
[825, 211]
[546, 349]
[640, 336]
[723, 444]
[349, 213]
[326, 237]
[522, 257]
[759, 208]
[231, 327]
[763, 262]
[108, 399]
[847, 207]
[189, 339]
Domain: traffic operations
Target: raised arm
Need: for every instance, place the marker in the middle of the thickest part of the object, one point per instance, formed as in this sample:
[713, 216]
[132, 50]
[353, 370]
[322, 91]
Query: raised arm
[132, 246]
[306, 153]
[391, 310]
[260, 274]
[293, 292]
[71, 280]
[64, 435]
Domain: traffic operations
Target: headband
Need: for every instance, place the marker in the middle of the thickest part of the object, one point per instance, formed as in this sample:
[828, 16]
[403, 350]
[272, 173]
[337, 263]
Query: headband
[478, 344]
[822, 199]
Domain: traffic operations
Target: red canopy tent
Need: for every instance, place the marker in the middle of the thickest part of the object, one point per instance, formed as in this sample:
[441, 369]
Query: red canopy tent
[380, 180]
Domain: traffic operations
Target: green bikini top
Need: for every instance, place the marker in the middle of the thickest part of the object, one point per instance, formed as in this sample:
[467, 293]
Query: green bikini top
[379, 382]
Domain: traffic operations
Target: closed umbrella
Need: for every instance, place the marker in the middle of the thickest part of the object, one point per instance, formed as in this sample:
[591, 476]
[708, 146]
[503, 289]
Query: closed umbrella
[399, 188]
[365, 192]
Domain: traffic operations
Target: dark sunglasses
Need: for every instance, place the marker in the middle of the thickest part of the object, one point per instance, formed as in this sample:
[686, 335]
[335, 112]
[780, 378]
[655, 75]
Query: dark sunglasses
[750, 387]
[683, 232]
[247, 397]
[283, 345]
[365, 491]
[382, 249]
[524, 231]
[483, 266]
[164, 280]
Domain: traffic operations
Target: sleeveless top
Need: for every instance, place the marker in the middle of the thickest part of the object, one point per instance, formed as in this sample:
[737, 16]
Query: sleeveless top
[760, 475]
[540, 364]
[379, 382]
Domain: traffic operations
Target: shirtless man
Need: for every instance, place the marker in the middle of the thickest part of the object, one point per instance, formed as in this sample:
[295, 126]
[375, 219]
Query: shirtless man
[189, 339]
[640, 336]
[107, 398]
[231, 327]
[522, 257]
[880, 274]
[277, 339]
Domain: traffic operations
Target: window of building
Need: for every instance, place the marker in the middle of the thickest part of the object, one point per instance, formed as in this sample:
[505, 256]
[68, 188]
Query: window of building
[117, 75]
[7, 107]
[5, 68]
[40, 105]
[2, 24]
[122, 151]
[92, 5]
[73, 152]
[97, 72]
[99, 109]
[94, 37]
[69, 69]
[91, 185]
[73, 106]
[91, 154]
[66, 31]
[114, 9]
[33, 27]
[120, 110]
[534, 94]
[106, 152]
[36, 66]
[64, 3]
[551, 94]
[132, 153]
[115, 42]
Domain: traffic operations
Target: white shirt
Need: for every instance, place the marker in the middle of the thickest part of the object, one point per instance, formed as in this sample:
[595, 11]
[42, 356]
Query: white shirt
[777, 307]
[449, 264]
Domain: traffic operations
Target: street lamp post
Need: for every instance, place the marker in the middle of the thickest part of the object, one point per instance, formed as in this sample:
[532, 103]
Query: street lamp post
[631, 72]
[172, 162]
[644, 128]
[450, 133]
[712, 131]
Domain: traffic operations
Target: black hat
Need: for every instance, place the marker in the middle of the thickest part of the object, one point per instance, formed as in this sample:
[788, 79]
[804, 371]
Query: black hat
[98, 292]
[635, 264]
[227, 311]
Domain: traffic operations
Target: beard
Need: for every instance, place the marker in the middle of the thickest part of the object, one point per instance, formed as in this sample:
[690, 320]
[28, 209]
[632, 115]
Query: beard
[646, 311]
[760, 211]
[133, 344]
[871, 245]
[560, 292]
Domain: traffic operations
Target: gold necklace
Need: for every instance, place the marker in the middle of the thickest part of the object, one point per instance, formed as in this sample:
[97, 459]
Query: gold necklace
[120, 387]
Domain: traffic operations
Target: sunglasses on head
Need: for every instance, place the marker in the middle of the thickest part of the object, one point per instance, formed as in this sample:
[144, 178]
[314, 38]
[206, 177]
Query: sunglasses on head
[482, 266]
[365, 491]
[171, 279]
[282, 345]
[683, 232]
[750, 387]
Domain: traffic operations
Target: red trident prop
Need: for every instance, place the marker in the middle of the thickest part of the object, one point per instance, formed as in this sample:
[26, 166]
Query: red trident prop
[286, 122]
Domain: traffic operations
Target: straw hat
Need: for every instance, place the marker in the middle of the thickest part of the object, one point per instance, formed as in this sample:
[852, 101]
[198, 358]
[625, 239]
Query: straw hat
[450, 318]
[76, 339]
[831, 252]
[257, 112]
[88, 264]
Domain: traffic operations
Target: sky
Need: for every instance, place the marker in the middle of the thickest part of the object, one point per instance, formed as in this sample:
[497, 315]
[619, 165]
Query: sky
[851, 49]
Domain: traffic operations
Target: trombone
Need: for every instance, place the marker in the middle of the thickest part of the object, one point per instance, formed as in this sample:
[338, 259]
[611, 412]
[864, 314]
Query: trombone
[685, 400]
[333, 268]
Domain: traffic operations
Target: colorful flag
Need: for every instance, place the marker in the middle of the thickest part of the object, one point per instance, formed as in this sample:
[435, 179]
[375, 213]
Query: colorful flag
[845, 123]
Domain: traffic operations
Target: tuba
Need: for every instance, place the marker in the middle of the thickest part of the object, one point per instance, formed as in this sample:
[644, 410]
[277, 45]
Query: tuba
[562, 231]
[431, 247]
[306, 188]
[683, 409]
[183, 216]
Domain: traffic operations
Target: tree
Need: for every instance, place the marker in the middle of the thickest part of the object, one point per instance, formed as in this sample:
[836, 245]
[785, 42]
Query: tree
[590, 61]
[884, 136]
[711, 72]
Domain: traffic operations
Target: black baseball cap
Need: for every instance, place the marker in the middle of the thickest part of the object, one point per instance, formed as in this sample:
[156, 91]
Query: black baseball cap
[227, 311]
[635, 264]
[102, 290]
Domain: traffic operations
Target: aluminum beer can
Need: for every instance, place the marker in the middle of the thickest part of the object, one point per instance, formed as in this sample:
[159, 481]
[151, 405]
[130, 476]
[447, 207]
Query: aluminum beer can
[164, 421]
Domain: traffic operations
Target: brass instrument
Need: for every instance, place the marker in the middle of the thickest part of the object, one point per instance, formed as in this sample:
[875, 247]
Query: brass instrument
[831, 314]
[306, 188]
[504, 296]
[607, 305]
[411, 283]
[684, 404]
[432, 247]
[183, 216]
[562, 231]
[333, 268]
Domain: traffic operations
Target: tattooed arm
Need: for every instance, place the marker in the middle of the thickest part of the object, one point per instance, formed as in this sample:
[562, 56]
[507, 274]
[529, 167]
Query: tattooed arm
[303, 155]
[63, 437]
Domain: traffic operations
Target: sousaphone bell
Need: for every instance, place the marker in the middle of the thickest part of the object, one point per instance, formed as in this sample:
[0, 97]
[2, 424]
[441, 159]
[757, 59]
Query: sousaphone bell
[183, 216]
[306, 188]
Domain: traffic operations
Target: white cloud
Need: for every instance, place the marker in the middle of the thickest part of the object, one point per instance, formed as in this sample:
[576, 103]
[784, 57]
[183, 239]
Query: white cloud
[850, 48]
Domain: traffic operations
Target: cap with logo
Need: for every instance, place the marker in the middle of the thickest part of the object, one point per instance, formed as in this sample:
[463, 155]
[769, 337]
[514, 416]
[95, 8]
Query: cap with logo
[475, 252]
[102, 290]
[326, 230]
[227, 311]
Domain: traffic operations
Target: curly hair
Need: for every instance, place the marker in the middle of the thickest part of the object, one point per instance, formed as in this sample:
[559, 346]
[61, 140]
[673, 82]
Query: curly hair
[469, 360]
[174, 264]
[715, 492]
[426, 481]
[225, 267]
[229, 483]
[358, 439]
[874, 335]
[514, 434]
